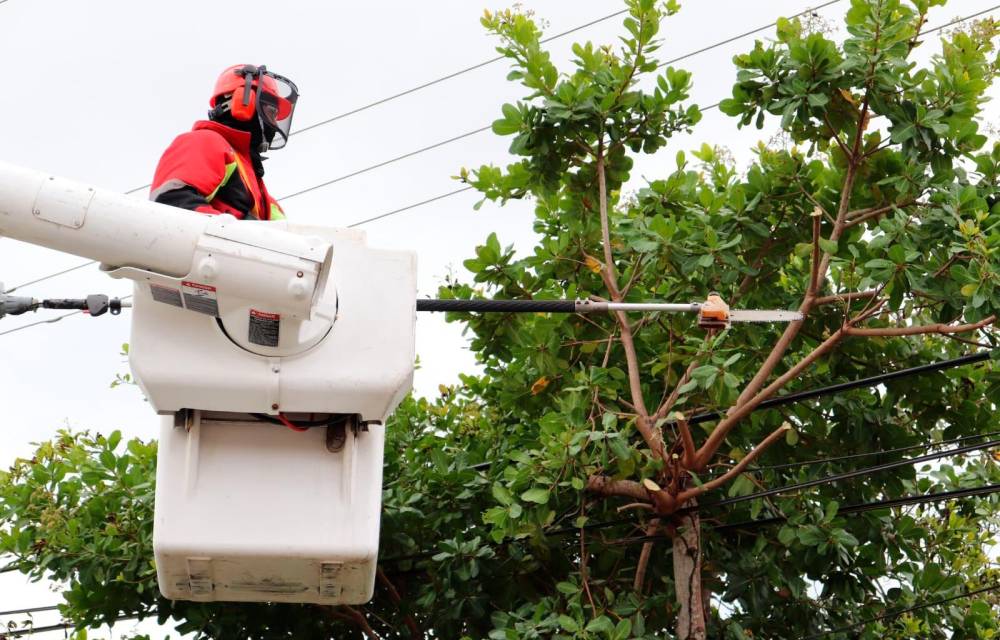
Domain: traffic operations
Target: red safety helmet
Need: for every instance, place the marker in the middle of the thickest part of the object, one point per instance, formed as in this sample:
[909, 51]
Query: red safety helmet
[257, 92]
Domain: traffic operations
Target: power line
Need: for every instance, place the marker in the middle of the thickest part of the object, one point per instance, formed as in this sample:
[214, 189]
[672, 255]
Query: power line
[847, 475]
[449, 76]
[58, 273]
[835, 389]
[419, 87]
[14, 612]
[467, 134]
[899, 612]
[869, 454]
[748, 525]
[482, 129]
[408, 207]
[872, 381]
[49, 321]
[470, 133]
[17, 633]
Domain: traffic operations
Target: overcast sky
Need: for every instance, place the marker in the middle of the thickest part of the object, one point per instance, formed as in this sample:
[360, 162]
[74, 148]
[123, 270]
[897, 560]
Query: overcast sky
[96, 89]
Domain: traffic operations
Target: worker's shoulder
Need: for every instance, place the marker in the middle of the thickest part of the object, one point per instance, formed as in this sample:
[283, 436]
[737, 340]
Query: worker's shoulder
[205, 140]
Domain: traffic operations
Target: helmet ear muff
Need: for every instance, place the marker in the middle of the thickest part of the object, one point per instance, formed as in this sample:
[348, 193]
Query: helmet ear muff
[243, 109]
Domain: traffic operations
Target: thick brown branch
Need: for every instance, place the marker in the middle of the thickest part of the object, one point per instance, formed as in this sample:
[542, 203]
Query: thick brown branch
[609, 262]
[671, 400]
[814, 274]
[398, 601]
[690, 451]
[863, 215]
[647, 550]
[737, 469]
[939, 327]
[359, 619]
[737, 413]
[605, 486]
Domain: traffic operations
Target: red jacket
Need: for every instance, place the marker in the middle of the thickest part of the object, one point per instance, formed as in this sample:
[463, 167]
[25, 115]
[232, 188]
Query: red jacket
[209, 170]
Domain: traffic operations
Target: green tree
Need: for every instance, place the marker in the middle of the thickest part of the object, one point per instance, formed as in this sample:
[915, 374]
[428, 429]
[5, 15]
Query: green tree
[878, 225]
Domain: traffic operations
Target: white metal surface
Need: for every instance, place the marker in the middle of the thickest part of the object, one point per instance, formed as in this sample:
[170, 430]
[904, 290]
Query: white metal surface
[144, 240]
[761, 315]
[362, 364]
[255, 512]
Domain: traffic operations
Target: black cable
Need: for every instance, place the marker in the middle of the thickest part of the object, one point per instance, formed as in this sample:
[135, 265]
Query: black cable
[854, 384]
[875, 506]
[14, 612]
[899, 612]
[497, 306]
[453, 74]
[749, 524]
[408, 207]
[847, 475]
[869, 454]
[58, 273]
[17, 633]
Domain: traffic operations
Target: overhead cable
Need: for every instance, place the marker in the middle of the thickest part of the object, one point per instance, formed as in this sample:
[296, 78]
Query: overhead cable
[715, 105]
[748, 525]
[14, 612]
[854, 384]
[847, 475]
[49, 321]
[889, 615]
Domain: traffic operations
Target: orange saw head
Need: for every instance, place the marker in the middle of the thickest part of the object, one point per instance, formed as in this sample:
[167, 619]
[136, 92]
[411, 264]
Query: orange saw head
[713, 313]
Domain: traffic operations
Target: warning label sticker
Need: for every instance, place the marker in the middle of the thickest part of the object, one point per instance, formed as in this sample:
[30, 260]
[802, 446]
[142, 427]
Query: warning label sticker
[200, 297]
[264, 328]
[166, 295]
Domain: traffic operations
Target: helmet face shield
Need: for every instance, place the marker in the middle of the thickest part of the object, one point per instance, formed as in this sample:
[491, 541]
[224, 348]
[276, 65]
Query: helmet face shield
[276, 105]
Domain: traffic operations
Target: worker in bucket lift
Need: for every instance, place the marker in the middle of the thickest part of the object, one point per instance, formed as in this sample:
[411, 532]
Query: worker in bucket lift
[217, 167]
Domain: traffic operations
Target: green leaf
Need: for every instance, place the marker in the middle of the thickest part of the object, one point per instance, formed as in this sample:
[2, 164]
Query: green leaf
[537, 495]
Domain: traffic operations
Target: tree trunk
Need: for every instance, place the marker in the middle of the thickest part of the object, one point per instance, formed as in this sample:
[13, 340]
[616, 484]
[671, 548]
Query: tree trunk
[687, 577]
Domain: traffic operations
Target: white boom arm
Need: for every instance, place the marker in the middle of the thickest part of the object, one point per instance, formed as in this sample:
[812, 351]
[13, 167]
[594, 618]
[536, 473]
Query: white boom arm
[279, 271]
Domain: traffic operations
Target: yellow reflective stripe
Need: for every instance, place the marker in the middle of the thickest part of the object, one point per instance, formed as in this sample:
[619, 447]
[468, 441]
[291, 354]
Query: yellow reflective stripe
[247, 183]
[230, 168]
[276, 212]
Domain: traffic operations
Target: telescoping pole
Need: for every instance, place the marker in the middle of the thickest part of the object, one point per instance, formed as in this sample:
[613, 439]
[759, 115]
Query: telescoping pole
[552, 306]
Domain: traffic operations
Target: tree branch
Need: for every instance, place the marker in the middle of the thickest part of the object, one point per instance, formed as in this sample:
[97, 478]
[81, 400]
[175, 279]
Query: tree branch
[671, 400]
[844, 297]
[643, 564]
[814, 273]
[397, 600]
[940, 328]
[694, 492]
[739, 412]
[605, 486]
[690, 451]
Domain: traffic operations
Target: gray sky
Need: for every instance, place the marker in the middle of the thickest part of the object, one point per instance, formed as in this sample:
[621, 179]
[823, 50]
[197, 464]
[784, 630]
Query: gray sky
[96, 89]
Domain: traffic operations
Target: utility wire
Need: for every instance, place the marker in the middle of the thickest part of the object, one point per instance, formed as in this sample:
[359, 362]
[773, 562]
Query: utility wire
[749, 525]
[450, 75]
[899, 612]
[835, 389]
[470, 133]
[49, 321]
[17, 633]
[58, 273]
[467, 134]
[847, 475]
[854, 384]
[14, 612]
[869, 454]
[482, 129]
